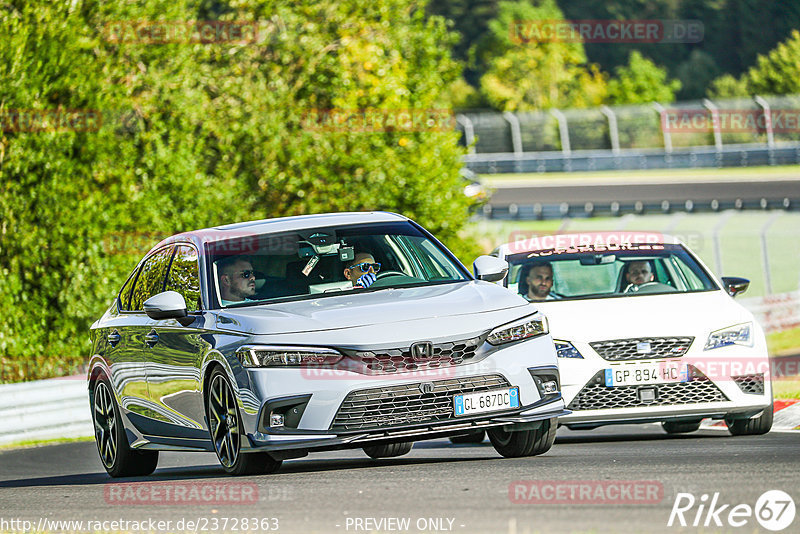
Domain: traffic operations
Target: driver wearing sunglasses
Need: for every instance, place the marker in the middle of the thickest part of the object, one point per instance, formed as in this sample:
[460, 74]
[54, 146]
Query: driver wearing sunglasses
[237, 280]
[362, 271]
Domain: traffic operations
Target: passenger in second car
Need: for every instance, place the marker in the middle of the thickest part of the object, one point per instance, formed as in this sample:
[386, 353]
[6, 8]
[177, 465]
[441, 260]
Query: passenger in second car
[237, 280]
[638, 274]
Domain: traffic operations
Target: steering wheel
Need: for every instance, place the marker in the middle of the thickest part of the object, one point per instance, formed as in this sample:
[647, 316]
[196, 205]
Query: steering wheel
[387, 274]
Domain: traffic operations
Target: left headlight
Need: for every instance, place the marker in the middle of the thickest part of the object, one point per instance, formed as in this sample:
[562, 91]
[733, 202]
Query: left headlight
[277, 356]
[531, 326]
[740, 334]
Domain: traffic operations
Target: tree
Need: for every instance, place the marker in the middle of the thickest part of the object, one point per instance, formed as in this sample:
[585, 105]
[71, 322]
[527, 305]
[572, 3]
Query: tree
[523, 70]
[778, 72]
[641, 81]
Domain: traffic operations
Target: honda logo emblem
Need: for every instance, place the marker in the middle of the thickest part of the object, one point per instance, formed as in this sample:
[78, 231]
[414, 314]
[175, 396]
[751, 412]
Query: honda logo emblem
[426, 387]
[422, 351]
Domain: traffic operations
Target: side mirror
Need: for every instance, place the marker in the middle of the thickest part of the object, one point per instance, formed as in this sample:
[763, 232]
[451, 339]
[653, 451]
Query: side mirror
[489, 268]
[734, 285]
[166, 305]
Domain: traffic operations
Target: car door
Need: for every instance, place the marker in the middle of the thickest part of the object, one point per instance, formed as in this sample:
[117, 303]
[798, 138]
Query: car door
[136, 334]
[174, 354]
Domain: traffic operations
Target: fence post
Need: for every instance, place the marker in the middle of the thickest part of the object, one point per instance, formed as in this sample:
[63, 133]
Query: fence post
[761, 101]
[516, 132]
[715, 239]
[563, 129]
[469, 132]
[710, 106]
[613, 132]
[667, 136]
[765, 253]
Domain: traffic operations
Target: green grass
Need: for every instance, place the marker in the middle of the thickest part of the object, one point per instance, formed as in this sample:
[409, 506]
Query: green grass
[786, 389]
[786, 342]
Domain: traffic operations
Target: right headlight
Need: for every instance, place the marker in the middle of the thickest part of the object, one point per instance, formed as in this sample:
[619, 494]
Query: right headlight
[565, 349]
[279, 356]
[531, 326]
[740, 334]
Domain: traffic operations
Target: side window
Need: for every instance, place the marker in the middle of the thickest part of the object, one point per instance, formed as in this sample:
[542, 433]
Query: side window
[151, 278]
[184, 276]
[125, 292]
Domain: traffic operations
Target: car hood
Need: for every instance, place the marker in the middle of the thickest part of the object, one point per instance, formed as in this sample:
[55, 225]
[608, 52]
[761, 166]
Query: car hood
[461, 303]
[686, 314]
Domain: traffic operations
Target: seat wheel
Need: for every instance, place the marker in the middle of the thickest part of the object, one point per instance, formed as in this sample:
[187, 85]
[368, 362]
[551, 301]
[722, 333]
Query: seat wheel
[752, 427]
[389, 450]
[524, 442]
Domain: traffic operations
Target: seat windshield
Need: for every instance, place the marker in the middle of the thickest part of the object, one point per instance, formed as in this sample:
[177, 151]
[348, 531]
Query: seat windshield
[597, 272]
[320, 262]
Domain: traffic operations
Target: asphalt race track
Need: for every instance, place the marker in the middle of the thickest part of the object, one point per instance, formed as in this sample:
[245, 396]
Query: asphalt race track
[438, 487]
[774, 191]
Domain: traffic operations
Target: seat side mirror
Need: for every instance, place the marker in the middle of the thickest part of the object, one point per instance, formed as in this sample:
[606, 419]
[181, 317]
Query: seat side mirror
[489, 268]
[735, 285]
[166, 305]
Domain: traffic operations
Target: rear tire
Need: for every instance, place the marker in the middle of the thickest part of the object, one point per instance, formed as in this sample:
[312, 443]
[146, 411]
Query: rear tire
[752, 427]
[524, 442]
[225, 426]
[116, 454]
[476, 436]
[389, 450]
[680, 427]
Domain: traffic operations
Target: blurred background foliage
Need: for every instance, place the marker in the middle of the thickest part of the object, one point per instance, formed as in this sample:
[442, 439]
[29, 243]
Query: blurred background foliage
[196, 135]
[201, 134]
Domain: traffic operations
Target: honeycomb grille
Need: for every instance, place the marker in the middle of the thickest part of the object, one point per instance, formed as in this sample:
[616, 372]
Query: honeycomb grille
[595, 395]
[447, 354]
[643, 348]
[752, 384]
[388, 406]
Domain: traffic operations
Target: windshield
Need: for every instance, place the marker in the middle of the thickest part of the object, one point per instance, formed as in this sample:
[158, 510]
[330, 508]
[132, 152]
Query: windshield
[321, 262]
[596, 272]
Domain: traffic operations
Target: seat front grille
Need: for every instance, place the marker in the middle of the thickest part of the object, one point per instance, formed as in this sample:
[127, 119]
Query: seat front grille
[595, 395]
[405, 404]
[643, 348]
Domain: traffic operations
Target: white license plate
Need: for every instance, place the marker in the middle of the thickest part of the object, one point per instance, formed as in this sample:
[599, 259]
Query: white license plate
[637, 374]
[486, 401]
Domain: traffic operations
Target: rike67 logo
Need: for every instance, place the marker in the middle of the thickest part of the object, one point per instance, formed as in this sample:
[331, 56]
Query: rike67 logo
[774, 510]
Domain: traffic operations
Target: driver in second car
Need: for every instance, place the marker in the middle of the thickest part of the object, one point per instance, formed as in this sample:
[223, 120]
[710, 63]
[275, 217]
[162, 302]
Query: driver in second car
[362, 270]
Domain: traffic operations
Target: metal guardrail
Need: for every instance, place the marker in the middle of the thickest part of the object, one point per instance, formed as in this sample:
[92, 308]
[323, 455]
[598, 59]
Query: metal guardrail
[44, 409]
[747, 155]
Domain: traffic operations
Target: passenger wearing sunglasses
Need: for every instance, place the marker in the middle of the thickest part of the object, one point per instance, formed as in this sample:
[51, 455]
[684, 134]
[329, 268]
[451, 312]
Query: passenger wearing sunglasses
[362, 271]
[237, 280]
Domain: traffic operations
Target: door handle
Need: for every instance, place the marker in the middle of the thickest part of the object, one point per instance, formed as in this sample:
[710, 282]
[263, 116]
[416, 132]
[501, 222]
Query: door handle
[114, 338]
[151, 338]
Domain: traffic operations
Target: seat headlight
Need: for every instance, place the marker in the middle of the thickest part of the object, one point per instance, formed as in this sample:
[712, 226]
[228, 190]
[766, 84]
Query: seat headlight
[565, 349]
[276, 356]
[531, 326]
[740, 334]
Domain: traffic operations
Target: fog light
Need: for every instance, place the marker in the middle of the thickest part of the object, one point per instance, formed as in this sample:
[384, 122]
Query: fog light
[550, 387]
[275, 419]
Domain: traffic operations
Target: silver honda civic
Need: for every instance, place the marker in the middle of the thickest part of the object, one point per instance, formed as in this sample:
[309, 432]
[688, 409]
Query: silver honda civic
[267, 340]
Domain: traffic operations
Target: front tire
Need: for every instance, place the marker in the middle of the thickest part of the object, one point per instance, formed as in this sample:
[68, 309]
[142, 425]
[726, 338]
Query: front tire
[680, 427]
[389, 450]
[118, 458]
[752, 427]
[524, 442]
[225, 426]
